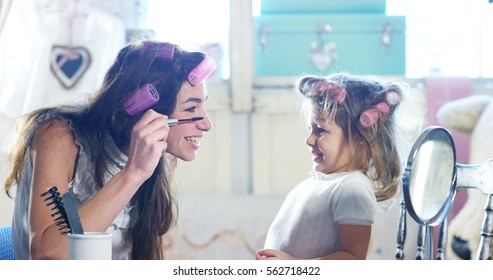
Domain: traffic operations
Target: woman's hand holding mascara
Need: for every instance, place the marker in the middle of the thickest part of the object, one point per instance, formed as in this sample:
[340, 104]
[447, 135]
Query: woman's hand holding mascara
[148, 144]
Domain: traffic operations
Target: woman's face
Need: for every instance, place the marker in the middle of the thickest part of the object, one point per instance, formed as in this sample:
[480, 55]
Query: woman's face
[184, 139]
[330, 151]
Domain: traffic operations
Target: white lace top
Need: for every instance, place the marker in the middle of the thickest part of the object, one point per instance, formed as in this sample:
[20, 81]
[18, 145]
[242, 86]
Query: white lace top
[83, 187]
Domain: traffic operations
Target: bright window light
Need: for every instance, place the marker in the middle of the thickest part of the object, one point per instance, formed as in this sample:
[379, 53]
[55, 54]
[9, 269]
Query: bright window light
[194, 25]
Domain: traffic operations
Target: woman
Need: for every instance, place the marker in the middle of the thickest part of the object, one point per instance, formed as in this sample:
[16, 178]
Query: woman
[115, 160]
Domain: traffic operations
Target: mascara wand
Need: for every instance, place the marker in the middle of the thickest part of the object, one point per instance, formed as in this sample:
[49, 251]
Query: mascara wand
[173, 122]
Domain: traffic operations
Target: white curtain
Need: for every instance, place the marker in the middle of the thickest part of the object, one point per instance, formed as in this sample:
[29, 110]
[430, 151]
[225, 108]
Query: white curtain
[32, 28]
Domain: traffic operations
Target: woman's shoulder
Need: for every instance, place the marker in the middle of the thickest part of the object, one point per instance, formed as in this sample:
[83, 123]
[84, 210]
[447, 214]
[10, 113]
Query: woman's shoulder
[51, 126]
[55, 133]
[59, 123]
[41, 122]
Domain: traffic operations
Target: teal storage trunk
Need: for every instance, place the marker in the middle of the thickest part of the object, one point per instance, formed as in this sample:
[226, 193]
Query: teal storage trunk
[359, 43]
[322, 6]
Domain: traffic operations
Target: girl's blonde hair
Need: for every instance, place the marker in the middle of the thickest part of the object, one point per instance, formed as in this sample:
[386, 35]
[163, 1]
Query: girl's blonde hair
[364, 109]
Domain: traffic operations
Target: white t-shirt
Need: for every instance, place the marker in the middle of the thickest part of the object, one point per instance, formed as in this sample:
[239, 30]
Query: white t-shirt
[306, 226]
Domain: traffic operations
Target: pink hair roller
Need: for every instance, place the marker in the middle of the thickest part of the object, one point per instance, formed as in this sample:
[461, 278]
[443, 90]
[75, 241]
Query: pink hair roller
[337, 93]
[141, 100]
[392, 98]
[163, 50]
[382, 107]
[370, 116]
[205, 68]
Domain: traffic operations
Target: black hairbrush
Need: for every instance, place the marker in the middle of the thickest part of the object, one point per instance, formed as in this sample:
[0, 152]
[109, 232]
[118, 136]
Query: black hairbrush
[57, 211]
[63, 211]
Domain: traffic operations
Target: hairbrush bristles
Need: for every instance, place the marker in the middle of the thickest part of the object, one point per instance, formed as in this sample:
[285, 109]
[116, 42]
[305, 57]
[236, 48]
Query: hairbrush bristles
[57, 211]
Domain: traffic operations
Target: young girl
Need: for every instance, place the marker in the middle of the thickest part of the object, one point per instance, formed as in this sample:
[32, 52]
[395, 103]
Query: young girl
[115, 155]
[355, 165]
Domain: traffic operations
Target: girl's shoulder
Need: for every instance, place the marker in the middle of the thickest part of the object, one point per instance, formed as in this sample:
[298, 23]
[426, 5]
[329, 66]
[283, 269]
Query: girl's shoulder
[346, 183]
[351, 176]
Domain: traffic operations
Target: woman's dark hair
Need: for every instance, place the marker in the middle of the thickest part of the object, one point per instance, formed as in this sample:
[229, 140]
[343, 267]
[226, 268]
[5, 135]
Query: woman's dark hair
[136, 65]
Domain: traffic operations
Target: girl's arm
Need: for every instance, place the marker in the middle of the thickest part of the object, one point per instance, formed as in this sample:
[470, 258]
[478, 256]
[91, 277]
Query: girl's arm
[354, 242]
[54, 154]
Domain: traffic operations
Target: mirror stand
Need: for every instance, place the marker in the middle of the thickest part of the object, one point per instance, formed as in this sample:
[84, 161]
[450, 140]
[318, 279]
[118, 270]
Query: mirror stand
[424, 246]
[485, 244]
[429, 185]
[424, 249]
[430, 181]
[442, 240]
[480, 176]
[401, 233]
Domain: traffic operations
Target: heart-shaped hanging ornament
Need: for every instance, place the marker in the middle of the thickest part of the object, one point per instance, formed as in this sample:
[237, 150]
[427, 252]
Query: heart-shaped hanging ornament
[69, 64]
[322, 55]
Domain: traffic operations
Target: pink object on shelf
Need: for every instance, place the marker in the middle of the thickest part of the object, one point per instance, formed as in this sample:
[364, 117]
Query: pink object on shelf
[441, 89]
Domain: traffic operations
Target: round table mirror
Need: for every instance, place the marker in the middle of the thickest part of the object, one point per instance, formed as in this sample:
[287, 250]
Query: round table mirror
[430, 176]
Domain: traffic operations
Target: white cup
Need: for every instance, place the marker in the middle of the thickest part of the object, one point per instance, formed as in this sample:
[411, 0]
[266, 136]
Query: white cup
[89, 246]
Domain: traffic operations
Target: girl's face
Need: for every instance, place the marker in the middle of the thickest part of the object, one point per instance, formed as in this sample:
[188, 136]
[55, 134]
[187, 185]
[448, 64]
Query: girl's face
[330, 151]
[184, 139]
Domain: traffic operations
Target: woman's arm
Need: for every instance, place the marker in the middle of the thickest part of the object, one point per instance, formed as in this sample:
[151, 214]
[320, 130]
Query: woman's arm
[54, 154]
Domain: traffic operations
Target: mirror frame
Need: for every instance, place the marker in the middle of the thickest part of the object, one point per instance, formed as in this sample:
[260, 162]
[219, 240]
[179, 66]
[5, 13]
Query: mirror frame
[425, 136]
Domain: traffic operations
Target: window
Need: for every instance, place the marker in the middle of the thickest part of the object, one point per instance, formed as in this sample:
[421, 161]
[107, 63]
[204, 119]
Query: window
[447, 37]
[194, 25]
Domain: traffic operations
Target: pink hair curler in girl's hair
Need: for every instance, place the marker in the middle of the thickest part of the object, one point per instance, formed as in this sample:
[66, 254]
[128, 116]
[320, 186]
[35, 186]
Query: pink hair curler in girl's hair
[141, 100]
[335, 92]
[392, 98]
[205, 68]
[370, 116]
